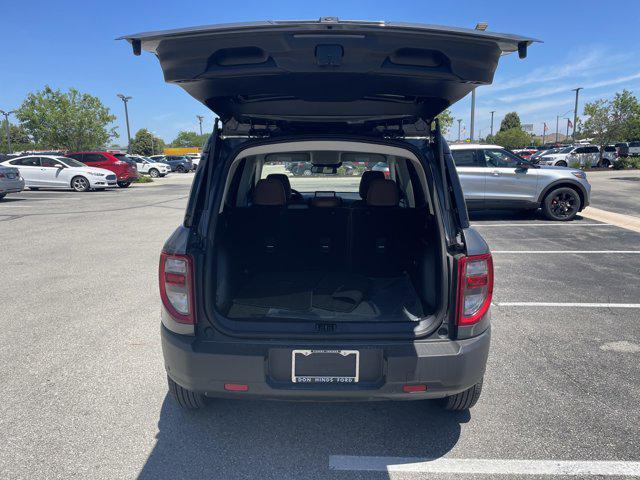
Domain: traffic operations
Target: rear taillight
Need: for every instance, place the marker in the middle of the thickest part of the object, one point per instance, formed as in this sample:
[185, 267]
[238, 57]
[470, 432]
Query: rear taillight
[176, 287]
[475, 288]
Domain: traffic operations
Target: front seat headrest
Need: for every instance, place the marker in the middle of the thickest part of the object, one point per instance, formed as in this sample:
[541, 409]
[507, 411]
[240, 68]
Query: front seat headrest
[269, 192]
[365, 181]
[383, 193]
[281, 177]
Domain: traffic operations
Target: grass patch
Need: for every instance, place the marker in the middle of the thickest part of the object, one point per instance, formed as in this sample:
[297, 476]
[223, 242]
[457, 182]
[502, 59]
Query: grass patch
[627, 163]
[143, 179]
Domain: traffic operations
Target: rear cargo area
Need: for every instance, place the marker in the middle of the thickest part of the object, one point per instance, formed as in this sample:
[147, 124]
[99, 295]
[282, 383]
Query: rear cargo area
[362, 251]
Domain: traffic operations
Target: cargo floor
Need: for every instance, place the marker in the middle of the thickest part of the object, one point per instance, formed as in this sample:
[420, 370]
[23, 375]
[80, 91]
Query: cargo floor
[336, 296]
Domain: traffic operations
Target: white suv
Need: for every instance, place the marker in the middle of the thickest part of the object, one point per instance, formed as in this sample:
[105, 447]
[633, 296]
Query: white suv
[151, 166]
[573, 156]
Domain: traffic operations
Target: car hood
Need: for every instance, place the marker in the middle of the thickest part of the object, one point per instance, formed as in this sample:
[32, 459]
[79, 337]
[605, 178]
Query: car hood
[553, 167]
[103, 171]
[284, 72]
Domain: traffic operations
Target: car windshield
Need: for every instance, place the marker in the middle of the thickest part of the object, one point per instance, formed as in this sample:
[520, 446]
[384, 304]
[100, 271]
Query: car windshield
[70, 162]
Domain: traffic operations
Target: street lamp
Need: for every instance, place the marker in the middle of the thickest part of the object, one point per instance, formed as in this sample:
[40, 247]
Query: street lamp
[459, 122]
[575, 114]
[6, 119]
[125, 100]
[492, 112]
[568, 120]
[473, 113]
[200, 119]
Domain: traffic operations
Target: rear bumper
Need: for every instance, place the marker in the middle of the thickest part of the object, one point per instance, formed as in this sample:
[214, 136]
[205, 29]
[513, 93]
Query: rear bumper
[446, 367]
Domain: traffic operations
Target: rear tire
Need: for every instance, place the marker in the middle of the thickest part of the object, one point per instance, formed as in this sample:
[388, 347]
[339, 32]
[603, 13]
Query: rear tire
[154, 173]
[180, 169]
[562, 163]
[186, 398]
[463, 400]
[606, 163]
[124, 184]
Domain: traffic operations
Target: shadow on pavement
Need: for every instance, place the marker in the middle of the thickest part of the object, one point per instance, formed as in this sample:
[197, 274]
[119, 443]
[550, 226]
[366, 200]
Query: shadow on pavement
[267, 439]
[520, 215]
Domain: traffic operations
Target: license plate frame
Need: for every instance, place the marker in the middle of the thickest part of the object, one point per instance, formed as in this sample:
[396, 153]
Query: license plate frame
[326, 378]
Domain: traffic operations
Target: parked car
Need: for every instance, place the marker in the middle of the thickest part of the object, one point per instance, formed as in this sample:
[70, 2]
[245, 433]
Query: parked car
[382, 167]
[10, 180]
[300, 168]
[49, 171]
[150, 166]
[535, 158]
[178, 163]
[573, 156]
[494, 178]
[125, 171]
[525, 153]
[634, 148]
[609, 156]
[256, 301]
[195, 159]
[623, 149]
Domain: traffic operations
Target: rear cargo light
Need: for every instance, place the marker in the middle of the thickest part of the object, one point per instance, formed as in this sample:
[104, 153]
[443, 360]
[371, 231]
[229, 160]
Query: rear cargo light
[475, 288]
[176, 287]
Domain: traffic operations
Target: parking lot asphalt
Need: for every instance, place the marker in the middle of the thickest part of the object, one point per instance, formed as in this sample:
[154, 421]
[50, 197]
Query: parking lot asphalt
[84, 392]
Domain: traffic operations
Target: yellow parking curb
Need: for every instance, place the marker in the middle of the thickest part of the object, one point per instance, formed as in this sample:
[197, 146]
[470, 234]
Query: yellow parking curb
[618, 219]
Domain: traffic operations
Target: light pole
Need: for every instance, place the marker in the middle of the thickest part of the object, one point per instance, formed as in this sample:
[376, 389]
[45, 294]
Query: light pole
[459, 122]
[473, 113]
[6, 119]
[575, 114]
[125, 100]
[492, 112]
[568, 120]
[200, 119]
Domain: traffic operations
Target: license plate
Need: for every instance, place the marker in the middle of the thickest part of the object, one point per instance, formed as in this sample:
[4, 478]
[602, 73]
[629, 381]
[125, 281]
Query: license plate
[325, 366]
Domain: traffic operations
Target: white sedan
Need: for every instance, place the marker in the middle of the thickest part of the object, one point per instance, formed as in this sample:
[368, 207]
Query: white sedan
[49, 171]
[150, 166]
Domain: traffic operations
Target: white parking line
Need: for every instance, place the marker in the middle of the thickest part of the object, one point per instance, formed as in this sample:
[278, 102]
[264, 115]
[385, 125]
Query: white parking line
[556, 224]
[567, 304]
[485, 466]
[565, 251]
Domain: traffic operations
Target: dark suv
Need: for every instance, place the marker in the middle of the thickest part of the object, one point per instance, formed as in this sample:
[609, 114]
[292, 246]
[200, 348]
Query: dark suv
[327, 287]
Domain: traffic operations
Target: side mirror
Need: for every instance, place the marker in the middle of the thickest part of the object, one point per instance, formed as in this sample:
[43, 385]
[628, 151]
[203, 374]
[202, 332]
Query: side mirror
[523, 165]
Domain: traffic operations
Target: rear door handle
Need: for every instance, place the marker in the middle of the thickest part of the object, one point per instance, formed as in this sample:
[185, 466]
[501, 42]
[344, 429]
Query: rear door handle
[495, 173]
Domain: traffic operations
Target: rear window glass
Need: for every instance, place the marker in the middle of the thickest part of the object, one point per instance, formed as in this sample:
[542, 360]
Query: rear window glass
[464, 158]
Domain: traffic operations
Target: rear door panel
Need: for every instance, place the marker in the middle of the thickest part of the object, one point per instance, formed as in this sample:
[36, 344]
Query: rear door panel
[508, 185]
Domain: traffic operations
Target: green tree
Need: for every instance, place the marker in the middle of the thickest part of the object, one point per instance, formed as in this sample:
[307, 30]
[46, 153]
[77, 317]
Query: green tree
[510, 120]
[510, 139]
[625, 112]
[19, 138]
[71, 120]
[189, 139]
[600, 124]
[446, 120]
[146, 143]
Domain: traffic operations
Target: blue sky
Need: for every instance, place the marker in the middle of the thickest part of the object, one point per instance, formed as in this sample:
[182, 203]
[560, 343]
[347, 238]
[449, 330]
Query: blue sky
[587, 43]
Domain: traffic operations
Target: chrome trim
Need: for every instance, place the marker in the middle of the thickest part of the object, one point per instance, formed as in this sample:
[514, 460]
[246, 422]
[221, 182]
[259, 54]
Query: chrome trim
[344, 353]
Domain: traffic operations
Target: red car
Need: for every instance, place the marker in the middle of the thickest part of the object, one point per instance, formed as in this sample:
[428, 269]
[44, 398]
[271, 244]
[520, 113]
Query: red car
[126, 172]
[525, 152]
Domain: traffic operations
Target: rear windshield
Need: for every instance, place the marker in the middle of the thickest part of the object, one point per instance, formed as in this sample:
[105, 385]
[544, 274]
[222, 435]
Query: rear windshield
[310, 172]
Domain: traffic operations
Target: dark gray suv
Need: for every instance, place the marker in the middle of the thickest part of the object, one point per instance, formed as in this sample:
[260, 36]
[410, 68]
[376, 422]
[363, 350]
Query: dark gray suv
[326, 286]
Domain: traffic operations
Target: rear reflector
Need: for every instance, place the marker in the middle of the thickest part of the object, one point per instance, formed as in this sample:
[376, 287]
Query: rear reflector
[236, 387]
[414, 388]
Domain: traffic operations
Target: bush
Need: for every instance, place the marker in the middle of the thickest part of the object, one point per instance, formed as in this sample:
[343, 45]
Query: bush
[143, 179]
[627, 163]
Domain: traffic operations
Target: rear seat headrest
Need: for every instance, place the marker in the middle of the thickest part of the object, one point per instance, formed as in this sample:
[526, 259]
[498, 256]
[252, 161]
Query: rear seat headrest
[326, 202]
[365, 181]
[269, 192]
[383, 193]
[281, 177]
